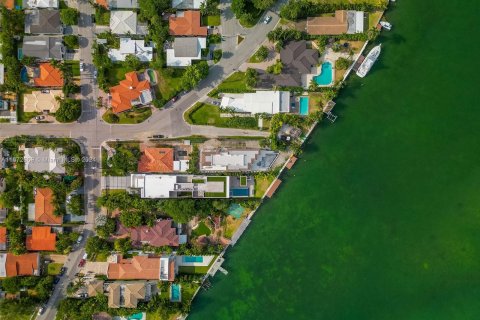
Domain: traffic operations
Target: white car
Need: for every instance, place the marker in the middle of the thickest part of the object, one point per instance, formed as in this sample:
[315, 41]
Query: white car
[267, 19]
[82, 66]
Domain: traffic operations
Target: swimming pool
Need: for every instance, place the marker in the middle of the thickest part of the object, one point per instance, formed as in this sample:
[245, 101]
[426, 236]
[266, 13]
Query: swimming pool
[325, 76]
[235, 210]
[191, 259]
[23, 75]
[239, 192]
[303, 106]
[175, 293]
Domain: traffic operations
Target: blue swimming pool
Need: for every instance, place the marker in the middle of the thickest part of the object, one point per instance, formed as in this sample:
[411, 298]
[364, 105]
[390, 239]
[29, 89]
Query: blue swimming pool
[239, 192]
[303, 106]
[23, 75]
[190, 259]
[175, 293]
[326, 75]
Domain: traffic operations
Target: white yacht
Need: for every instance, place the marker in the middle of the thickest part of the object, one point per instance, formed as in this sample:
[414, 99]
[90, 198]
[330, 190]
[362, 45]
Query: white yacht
[386, 25]
[369, 61]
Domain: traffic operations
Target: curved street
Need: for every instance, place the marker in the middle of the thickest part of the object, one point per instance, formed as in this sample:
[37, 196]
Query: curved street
[90, 130]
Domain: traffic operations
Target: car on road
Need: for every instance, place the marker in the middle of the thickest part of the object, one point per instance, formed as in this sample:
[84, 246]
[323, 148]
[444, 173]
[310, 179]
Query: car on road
[174, 99]
[80, 238]
[56, 280]
[62, 271]
[41, 310]
[95, 74]
[82, 66]
[158, 136]
[39, 117]
[267, 19]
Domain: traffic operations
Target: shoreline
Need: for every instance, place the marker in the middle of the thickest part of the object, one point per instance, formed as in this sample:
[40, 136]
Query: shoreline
[246, 222]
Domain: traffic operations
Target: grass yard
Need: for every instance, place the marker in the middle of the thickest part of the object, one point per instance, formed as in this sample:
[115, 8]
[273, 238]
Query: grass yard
[233, 84]
[261, 184]
[194, 270]
[74, 65]
[169, 83]
[129, 117]
[373, 18]
[116, 73]
[211, 20]
[201, 230]
[315, 101]
[339, 74]
[255, 58]
[233, 224]
[54, 268]
[209, 114]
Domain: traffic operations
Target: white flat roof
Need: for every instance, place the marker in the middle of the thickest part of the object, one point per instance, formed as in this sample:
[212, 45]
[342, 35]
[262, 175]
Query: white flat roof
[270, 102]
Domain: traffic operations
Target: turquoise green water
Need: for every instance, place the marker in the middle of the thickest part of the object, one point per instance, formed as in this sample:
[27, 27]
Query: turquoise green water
[380, 218]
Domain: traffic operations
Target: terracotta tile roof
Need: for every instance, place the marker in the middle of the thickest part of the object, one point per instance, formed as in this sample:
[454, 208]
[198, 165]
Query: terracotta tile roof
[103, 3]
[22, 265]
[156, 160]
[41, 239]
[3, 234]
[187, 23]
[161, 234]
[127, 91]
[9, 4]
[44, 209]
[137, 268]
[328, 25]
[49, 76]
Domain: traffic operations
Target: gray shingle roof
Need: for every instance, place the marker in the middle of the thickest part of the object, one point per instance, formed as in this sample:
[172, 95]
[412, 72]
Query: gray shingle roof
[43, 47]
[43, 21]
[186, 47]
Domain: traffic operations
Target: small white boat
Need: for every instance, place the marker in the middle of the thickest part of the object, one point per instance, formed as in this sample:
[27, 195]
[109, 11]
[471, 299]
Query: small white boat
[386, 25]
[370, 59]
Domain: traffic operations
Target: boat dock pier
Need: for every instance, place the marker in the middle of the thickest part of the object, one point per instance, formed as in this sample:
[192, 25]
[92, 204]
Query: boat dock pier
[217, 266]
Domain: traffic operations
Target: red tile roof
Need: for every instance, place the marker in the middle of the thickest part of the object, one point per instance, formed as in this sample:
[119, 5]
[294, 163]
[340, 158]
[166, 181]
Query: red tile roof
[9, 4]
[3, 235]
[187, 25]
[22, 265]
[156, 160]
[139, 267]
[44, 209]
[41, 239]
[103, 3]
[161, 234]
[49, 76]
[128, 90]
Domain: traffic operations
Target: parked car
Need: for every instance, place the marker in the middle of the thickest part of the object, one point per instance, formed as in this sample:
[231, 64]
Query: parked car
[82, 66]
[62, 271]
[41, 310]
[95, 74]
[80, 238]
[175, 98]
[56, 280]
[45, 91]
[39, 117]
[267, 19]
[158, 136]
[82, 263]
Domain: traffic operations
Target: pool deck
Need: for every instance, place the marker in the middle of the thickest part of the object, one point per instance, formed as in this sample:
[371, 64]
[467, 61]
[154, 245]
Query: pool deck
[206, 261]
[317, 70]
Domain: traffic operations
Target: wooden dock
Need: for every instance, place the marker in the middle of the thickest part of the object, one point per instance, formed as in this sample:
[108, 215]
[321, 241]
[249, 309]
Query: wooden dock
[358, 63]
[273, 187]
[291, 162]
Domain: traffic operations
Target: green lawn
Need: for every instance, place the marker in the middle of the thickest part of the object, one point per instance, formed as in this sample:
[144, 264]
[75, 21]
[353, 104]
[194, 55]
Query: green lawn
[116, 73]
[261, 184]
[130, 117]
[169, 83]
[211, 20]
[74, 65]
[54, 268]
[255, 58]
[209, 114]
[194, 270]
[233, 84]
[373, 18]
[202, 229]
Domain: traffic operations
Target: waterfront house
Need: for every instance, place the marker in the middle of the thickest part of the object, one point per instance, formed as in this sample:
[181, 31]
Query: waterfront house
[134, 47]
[41, 239]
[126, 294]
[270, 102]
[22, 265]
[45, 21]
[343, 21]
[143, 268]
[130, 92]
[38, 159]
[187, 23]
[217, 160]
[184, 50]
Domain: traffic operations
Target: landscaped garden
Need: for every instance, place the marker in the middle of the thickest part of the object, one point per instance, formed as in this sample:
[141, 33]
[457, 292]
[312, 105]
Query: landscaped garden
[208, 114]
[54, 268]
[201, 229]
[136, 115]
[124, 160]
[236, 83]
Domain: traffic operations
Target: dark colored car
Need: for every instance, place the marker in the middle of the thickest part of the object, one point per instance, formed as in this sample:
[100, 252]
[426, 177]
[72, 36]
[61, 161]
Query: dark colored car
[62, 271]
[56, 280]
[158, 136]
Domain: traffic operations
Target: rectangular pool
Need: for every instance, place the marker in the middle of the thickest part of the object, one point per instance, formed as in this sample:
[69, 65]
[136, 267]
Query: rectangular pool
[190, 259]
[239, 192]
[175, 293]
[303, 111]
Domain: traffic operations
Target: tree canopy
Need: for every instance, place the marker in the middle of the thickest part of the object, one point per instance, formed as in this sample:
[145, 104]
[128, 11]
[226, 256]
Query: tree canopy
[69, 16]
[69, 111]
[194, 74]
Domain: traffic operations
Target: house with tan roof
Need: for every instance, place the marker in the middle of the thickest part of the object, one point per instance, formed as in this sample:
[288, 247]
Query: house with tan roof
[3, 238]
[344, 21]
[22, 265]
[126, 294]
[44, 207]
[187, 23]
[41, 239]
[161, 234]
[95, 287]
[46, 75]
[39, 159]
[143, 268]
[130, 92]
[46, 101]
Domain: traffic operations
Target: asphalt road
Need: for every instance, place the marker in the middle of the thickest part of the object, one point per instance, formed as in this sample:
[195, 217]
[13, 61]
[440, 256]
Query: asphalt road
[90, 130]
